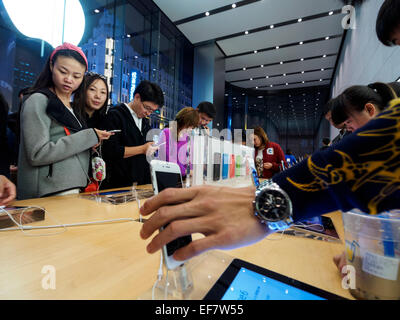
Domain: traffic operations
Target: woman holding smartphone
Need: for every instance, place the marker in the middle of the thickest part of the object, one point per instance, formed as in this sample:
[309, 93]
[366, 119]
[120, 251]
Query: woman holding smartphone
[55, 142]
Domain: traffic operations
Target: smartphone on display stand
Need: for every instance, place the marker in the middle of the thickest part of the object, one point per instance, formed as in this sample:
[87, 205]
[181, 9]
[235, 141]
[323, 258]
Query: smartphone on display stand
[217, 166]
[168, 175]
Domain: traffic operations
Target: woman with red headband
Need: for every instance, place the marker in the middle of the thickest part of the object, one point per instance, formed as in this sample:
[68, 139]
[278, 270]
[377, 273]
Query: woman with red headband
[55, 142]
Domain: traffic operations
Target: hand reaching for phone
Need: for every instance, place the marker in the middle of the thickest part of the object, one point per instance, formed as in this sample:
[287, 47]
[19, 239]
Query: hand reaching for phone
[102, 135]
[149, 148]
[226, 221]
[7, 191]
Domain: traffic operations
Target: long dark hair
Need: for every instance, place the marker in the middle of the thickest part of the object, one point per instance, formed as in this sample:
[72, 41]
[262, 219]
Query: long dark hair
[79, 103]
[45, 79]
[387, 21]
[354, 99]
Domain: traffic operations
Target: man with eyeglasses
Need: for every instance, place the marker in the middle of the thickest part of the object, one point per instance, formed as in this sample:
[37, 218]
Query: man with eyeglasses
[125, 153]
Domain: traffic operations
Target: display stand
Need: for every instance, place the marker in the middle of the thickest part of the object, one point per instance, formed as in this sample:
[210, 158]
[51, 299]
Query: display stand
[192, 281]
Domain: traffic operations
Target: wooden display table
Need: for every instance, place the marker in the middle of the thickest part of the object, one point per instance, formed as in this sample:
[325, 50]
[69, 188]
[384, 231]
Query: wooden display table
[109, 261]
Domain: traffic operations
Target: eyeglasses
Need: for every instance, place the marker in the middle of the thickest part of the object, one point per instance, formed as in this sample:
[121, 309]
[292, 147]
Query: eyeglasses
[94, 74]
[147, 108]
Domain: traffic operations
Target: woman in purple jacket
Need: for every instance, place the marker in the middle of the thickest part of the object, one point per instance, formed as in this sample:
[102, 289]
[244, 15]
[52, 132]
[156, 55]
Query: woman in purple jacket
[173, 141]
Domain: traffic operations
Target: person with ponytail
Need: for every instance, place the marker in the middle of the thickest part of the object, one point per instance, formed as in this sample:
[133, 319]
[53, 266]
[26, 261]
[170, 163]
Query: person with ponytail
[55, 142]
[357, 105]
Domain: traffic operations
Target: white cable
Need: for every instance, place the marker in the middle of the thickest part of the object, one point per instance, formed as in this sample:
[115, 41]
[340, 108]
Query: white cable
[23, 228]
[166, 287]
[159, 277]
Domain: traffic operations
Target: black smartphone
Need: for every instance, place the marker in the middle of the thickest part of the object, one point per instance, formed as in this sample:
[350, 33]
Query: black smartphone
[217, 166]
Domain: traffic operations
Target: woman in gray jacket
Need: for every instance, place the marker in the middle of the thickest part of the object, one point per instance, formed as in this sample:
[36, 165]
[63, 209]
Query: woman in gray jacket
[55, 143]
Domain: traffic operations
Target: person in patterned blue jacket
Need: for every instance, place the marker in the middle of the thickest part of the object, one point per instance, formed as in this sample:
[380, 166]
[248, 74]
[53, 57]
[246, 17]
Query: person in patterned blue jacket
[361, 171]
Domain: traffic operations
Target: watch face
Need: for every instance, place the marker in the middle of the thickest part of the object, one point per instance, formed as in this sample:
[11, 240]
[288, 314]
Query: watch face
[272, 205]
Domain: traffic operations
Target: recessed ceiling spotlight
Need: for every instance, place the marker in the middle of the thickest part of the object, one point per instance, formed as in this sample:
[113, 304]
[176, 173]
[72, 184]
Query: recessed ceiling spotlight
[267, 77]
[233, 5]
[244, 69]
[96, 10]
[281, 62]
[262, 66]
[330, 13]
[320, 79]
[128, 35]
[271, 26]
[207, 14]
[303, 82]
[301, 42]
[271, 85]
[302, 59]
[277, 47]
[324, 56]
[284, 74]
[299, 20]
[287, 83]
[326, 38]
[246, 32]
[251, 79]
[322, 69]
[255, 51]
[302, 72]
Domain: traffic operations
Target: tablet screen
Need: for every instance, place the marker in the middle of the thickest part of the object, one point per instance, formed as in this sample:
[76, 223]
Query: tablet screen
[245, 281]
[250, 285]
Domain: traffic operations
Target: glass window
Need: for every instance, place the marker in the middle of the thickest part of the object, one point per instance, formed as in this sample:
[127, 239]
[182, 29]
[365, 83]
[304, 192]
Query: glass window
[120, 41]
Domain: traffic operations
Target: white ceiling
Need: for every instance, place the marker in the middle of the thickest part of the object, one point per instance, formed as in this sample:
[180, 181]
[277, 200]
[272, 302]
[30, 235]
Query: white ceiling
[232, 23]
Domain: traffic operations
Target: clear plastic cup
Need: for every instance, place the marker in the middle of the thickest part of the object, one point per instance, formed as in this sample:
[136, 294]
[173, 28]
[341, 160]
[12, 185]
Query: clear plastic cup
[373, 249]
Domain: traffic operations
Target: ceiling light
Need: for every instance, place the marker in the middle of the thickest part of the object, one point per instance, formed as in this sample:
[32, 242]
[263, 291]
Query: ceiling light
[96, 10]
[327, 38]
[320, 79]
[255, 51]
[302, 72]
[267, 77]
[281, 62]
[234, 5]
[301, 42]
[284, 74]
[302, 59]
[303, 81]
[207, 14]
[271, 85]
[300, 20]
[331, 13]
[271, 26]
[251, 79]
[244, 69]
[324, 56]
[246, 32]
[256, 87]
[287, 83]
[128, 35]
[277, 47]
[262, 66]
[322, 69]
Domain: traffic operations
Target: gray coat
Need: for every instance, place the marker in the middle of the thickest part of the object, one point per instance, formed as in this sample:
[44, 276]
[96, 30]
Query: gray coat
[49, 160]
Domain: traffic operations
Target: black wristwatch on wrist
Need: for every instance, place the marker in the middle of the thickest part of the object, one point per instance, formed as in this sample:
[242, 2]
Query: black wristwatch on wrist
[273, 206]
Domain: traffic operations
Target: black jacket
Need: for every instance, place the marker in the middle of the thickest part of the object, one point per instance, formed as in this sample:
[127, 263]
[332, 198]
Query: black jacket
[4, 158]
[122, 172]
